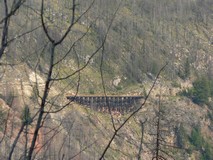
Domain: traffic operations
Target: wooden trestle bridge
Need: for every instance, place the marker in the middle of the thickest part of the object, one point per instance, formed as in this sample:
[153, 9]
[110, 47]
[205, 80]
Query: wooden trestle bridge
[103, 103]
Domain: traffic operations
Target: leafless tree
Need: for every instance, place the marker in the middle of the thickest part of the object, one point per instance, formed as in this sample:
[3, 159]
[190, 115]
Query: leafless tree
[142, 136]
[53, 40]
[46, 104]
[116, 130]
[162, 148]
[8, 12]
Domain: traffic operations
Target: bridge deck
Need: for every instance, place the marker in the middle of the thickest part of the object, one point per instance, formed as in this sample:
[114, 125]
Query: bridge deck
[105, 96]
[119, 103]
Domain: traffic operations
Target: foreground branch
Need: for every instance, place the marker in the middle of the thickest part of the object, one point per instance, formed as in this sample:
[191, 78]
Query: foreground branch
[132, 114]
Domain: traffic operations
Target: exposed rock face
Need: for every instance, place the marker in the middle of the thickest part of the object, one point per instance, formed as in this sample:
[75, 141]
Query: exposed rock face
[116, 81]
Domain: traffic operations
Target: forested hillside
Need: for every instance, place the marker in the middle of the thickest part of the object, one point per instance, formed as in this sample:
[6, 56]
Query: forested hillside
[159, 49]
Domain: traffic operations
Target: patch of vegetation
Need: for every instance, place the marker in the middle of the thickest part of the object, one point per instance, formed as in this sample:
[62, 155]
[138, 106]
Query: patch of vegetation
[185, 73]
[119, 88]
[2, 119]
[210, 116]
[175, 84]
[196, 138]
[200, 144]
[26, 116]
[91, 91]
[8, 97]
[200, 92]
[181, 136]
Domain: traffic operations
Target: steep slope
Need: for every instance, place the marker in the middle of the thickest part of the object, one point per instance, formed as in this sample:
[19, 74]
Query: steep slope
[144, 36]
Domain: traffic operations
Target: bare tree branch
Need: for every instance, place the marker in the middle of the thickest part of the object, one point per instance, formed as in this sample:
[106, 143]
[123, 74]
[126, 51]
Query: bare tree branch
[15, 141]
[142, 135]
[73, 21]
[85, 148]
[131, 115]
[5, 30]
[14, 9]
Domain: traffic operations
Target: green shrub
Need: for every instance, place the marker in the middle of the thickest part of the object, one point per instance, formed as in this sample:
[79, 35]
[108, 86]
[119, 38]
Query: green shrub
[187, 93]
[207, 152]
[181, 136]
[210, 115]
[201, 144]
[118, 88]
[175, 84]
[185, 72]
[196, 138]
[91, 91]
[201, 91]
[26, 116]
[2, 119]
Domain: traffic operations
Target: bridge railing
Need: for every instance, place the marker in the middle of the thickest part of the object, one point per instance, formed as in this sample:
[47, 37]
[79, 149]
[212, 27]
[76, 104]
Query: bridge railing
[115, 103]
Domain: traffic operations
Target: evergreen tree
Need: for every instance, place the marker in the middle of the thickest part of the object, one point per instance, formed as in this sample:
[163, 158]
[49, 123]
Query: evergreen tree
[186, 69]
[181, 136]
[185, 72]
[196, 138]
[26, 116]
[201, 91]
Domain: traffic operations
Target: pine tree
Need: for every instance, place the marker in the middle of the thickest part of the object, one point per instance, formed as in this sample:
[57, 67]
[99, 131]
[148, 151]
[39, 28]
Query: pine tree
[201, 91]
[26, 117]
[187, 69]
